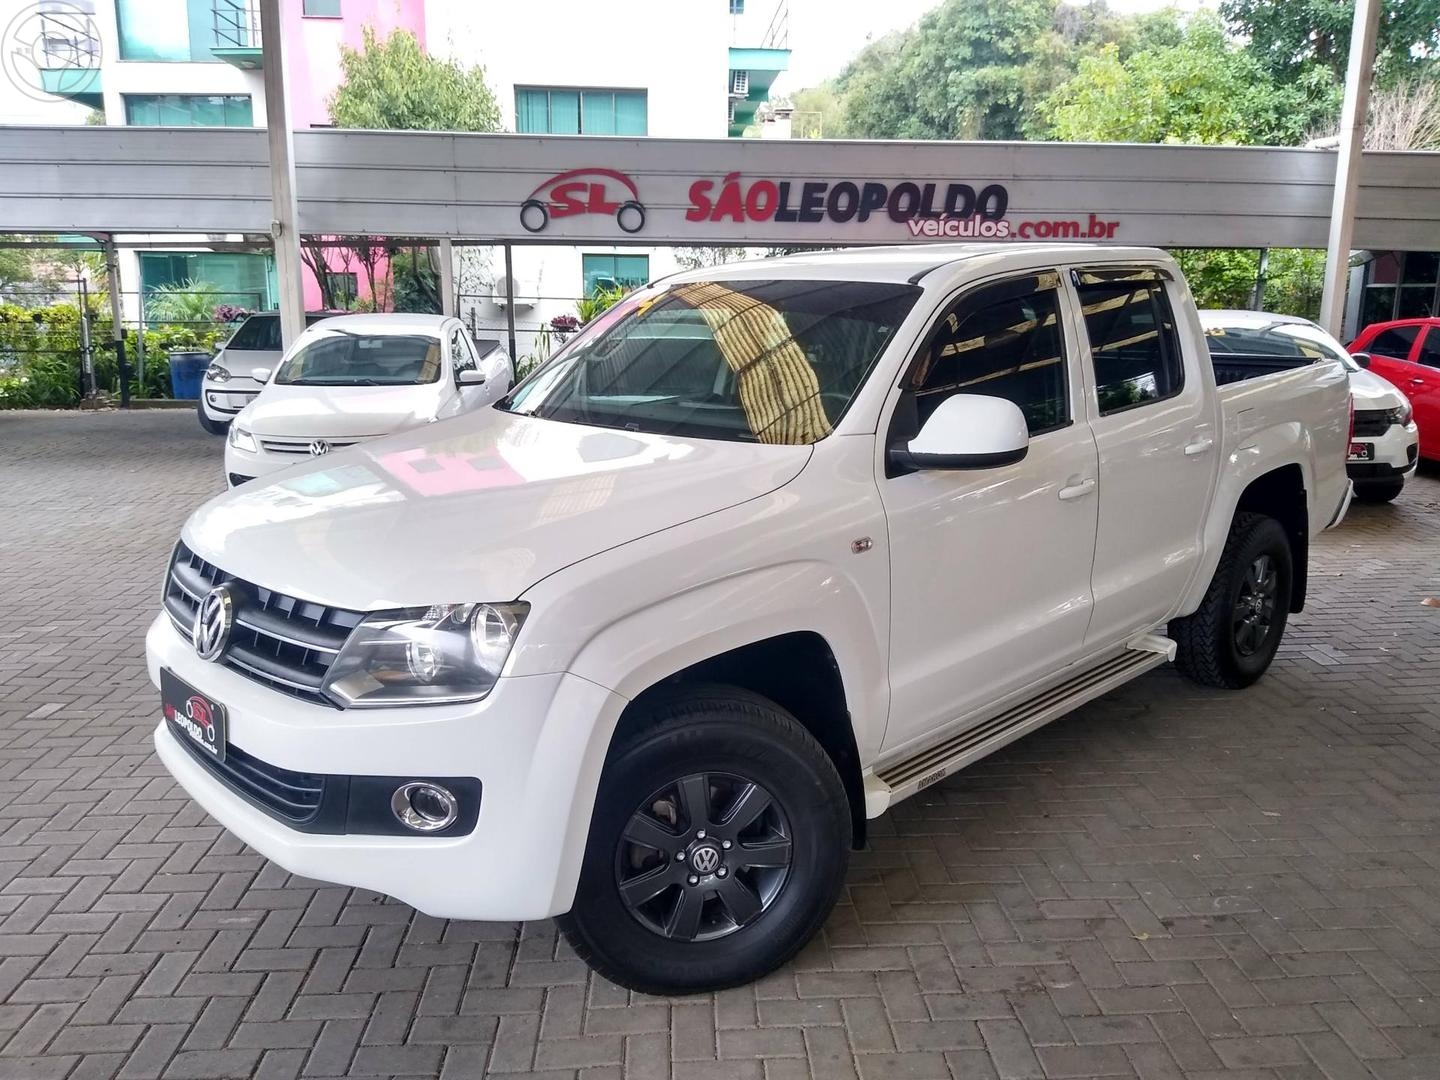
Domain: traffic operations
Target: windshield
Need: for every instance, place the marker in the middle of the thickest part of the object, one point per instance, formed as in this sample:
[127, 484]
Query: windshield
[340, 358]
[755, 361]
[1278, 339]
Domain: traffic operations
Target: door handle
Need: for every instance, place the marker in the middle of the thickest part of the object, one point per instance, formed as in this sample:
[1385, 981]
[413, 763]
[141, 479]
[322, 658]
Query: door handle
[1199, 446]
[1417, 382]
[1075, 491]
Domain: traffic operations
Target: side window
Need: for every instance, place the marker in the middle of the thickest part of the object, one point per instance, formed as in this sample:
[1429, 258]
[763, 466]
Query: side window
[1394, 343]
[1430, 348]
[461, 358]
[1133, 342]
[1003, 340]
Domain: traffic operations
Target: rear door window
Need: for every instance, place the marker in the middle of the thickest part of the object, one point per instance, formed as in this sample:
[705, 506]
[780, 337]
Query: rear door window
[1134, 346]
[1430, 348]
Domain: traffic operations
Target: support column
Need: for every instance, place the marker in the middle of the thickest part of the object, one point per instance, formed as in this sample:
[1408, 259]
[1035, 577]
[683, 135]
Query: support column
[447, 277]
[284, 229]
[1347, 165]
[117, 317]
[510, 303]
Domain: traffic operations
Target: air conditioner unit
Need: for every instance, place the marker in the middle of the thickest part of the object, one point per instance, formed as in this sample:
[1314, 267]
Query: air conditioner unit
[739, 83]
[505, 292]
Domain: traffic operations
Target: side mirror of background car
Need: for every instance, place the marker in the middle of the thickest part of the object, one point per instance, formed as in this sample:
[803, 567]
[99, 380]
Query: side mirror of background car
[1361, 358]
[967, 431]
[260, 374]
[469, 377]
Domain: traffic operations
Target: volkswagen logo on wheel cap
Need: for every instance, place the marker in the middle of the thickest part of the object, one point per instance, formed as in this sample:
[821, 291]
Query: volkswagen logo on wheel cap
[319, 447]
[705, 859]
[213, 621]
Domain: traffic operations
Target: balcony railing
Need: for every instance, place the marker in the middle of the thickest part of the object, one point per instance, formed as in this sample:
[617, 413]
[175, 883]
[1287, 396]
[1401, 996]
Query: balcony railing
[236, 24]
[777, 36]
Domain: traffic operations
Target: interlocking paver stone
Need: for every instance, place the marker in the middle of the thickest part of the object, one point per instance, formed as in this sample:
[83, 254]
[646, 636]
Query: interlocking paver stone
[1172, 884]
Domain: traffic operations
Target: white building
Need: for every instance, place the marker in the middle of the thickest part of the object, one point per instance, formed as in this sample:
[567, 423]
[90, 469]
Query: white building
[659, 68]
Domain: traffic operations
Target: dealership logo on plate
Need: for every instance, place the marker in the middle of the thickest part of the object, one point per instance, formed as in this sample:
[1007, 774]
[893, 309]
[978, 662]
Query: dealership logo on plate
[584, 191]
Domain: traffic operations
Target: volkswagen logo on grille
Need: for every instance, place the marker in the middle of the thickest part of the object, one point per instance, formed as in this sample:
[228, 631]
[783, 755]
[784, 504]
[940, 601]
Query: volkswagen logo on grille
[705, 859]
[212, 623]
[319, 447]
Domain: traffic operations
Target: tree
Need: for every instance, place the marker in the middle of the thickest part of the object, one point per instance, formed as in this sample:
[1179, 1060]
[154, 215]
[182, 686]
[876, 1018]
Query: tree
[395, 85]
[1220, 277]
[1203, 88]
[1294, 35]
[700, 258]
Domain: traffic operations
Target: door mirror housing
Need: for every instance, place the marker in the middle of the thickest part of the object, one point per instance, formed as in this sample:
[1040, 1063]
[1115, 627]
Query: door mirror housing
[260, 374]
[967, 431]
[469, 377]
[1361, 358]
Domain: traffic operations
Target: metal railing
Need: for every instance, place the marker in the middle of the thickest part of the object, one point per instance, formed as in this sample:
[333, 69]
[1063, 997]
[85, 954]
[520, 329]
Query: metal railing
[778, 34]
[236, 24]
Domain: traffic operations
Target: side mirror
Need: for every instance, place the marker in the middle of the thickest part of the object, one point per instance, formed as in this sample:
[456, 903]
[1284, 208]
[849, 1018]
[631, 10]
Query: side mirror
[1361, 358]
[260, 374]
[967, 431]
[469, 377]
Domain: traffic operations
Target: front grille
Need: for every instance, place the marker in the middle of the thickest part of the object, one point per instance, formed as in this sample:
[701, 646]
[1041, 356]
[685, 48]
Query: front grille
[293, 797]
[301, 447]
[281, 641]
[1372, 422]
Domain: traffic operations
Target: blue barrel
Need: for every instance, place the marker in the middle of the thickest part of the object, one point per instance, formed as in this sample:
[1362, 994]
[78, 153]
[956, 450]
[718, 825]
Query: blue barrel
[187, 371]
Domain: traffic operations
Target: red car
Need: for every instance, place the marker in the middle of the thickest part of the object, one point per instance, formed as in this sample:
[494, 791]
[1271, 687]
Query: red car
[1407, 352]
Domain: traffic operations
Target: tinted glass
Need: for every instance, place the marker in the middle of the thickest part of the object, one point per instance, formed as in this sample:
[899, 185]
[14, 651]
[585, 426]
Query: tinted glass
[1430, 348]
[753, 361]
[1133, 343]
[1394, 343]
[341, 358]
[259, 332]
[1004, 345]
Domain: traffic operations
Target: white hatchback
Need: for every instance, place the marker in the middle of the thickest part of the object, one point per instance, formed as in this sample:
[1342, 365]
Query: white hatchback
[352, 378]
[229, 384]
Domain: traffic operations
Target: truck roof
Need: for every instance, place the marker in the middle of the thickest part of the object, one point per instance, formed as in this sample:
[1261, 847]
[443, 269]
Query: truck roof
[911, 262]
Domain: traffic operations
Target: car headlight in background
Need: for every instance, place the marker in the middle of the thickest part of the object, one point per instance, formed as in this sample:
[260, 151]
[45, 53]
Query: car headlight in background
[216, 373]
[1401, 415]
[425, 656]
[241, 439]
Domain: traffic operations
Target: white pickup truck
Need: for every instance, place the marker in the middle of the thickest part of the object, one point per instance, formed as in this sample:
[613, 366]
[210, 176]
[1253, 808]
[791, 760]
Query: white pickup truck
[764, 550]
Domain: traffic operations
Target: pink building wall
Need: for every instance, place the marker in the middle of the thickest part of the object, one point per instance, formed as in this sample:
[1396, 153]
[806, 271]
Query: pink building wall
[313, 49]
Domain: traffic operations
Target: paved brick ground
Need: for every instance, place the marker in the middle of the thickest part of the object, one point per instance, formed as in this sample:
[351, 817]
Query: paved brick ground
[1171, 883]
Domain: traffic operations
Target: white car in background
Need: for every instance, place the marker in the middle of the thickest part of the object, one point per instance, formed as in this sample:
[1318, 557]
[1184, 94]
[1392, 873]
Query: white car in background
[356, 377]
[1385, 443]
[229, 384]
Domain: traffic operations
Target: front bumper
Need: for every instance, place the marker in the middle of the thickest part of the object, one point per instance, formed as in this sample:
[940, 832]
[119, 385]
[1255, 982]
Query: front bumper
[223, 401]
[1395, 454]
[535, 745]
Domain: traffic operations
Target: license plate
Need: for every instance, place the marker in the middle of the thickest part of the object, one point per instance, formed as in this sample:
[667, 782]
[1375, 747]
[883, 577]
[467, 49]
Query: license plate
[1362, 451]
[191, 715]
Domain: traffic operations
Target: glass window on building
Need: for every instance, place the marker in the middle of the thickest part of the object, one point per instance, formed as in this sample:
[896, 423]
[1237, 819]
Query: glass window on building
[166, 29]
[610, 271]
[236, 277]
[1419, 275]
[542, 110]
[324, 9]
[189, 110]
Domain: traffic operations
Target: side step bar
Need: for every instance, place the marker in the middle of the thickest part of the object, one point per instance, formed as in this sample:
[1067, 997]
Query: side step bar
[901, 779]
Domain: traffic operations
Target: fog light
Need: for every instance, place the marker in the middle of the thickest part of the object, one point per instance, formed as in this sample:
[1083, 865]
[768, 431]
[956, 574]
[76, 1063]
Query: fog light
[424, 807]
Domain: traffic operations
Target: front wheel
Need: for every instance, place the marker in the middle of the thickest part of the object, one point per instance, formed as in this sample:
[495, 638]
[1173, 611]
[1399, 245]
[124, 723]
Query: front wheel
[1231, 638]
[718, 846]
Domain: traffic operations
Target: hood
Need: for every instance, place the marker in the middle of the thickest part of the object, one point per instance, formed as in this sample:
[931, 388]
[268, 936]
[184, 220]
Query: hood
[1371, 391]
[477, 508]
[332, 412]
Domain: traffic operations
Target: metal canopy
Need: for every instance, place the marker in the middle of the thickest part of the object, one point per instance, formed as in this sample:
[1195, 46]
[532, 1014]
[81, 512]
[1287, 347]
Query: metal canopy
[474, 187]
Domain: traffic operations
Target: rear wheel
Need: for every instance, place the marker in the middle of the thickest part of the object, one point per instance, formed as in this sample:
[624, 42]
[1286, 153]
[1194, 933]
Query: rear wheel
[718, 846]
[214, 427]
[1379, 491]
[1231, 638]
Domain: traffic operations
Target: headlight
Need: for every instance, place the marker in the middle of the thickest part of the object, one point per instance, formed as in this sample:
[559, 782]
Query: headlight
[241, 439]
[425, 656]
[1401, 415]
[216, 373]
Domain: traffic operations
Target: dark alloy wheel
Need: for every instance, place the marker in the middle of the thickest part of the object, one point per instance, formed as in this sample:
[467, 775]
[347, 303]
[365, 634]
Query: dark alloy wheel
[732, 861]
[703, 857]
[1232, 636]
[1254, 611]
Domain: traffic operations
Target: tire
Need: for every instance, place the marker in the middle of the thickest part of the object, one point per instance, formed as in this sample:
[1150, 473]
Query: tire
[1216, 646]
[714, 741]
[1379, 491]
[214, 427]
